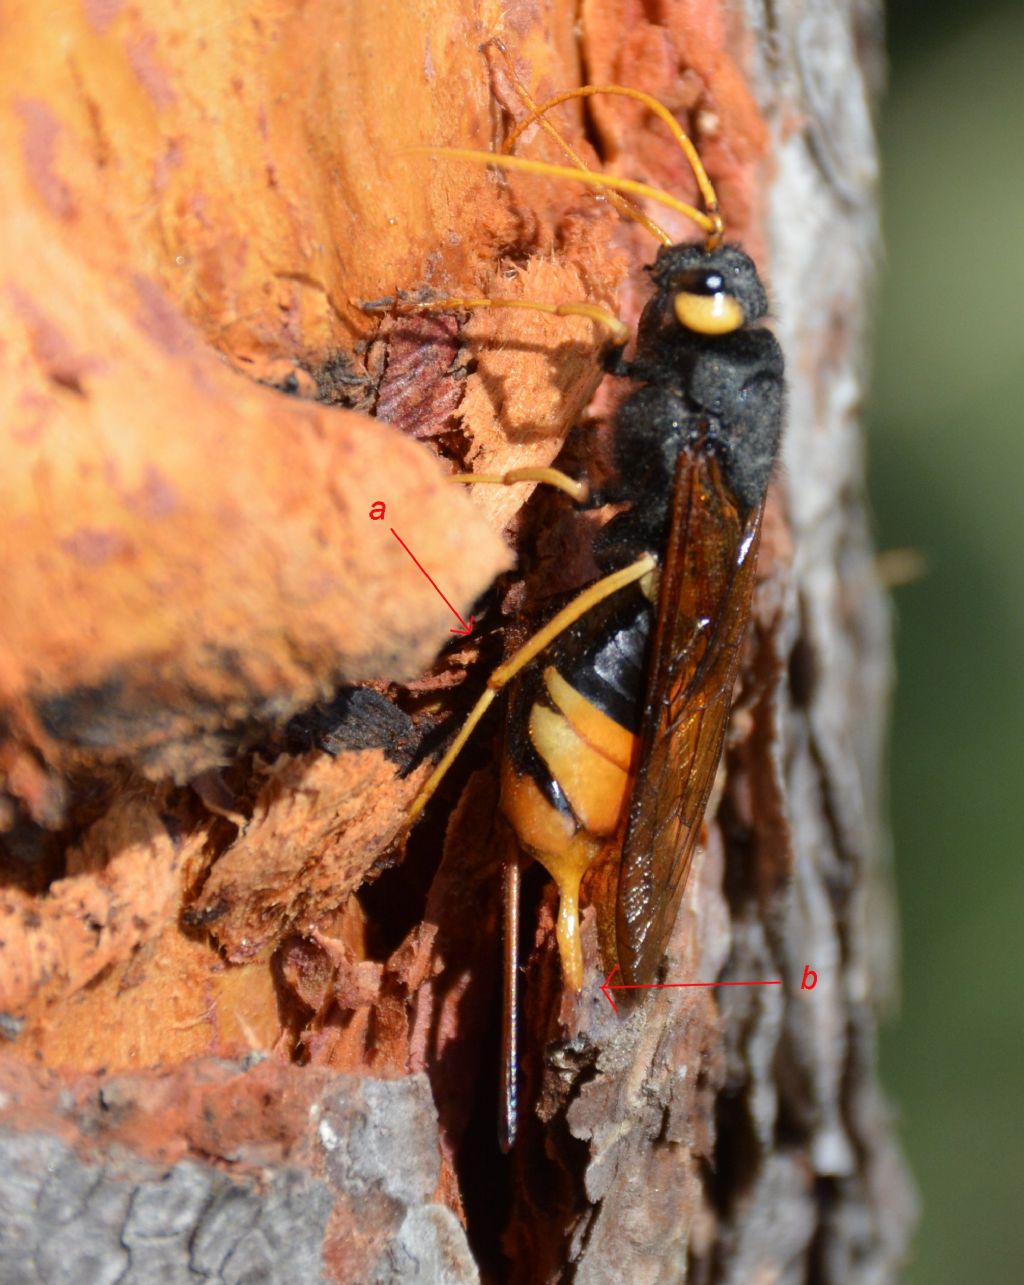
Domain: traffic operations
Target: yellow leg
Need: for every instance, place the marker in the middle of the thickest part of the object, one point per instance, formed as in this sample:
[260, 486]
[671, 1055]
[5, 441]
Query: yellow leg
[618, 330]
[576, 490]
[580, 605]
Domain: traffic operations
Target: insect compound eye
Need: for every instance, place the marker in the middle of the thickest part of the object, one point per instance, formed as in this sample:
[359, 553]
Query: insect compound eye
[716, 313]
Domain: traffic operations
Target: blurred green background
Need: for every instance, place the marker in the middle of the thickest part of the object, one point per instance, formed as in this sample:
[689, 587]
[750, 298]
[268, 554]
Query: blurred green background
[947, 478]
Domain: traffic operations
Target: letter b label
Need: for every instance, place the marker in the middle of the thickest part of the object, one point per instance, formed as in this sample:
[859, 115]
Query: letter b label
[809, 980]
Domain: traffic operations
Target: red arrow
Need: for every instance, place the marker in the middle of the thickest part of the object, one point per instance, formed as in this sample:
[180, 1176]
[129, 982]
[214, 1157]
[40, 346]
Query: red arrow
[464, 628]
[607, 987]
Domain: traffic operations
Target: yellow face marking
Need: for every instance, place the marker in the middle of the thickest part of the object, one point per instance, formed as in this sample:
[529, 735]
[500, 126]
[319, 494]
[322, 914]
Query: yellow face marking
[601, 733]
[708, 314]
[595, 787]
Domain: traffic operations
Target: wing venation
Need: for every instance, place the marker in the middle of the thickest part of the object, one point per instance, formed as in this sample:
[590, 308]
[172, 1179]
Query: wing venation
[707, 580]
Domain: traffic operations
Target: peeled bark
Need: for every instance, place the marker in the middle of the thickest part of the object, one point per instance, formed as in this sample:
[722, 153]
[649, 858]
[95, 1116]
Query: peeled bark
[192, 874]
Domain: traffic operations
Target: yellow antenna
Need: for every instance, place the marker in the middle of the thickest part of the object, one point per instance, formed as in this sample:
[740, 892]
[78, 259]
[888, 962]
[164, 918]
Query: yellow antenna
[704, 184]
[708, 220]
[627, 208]
[708, 223]
[713, 225]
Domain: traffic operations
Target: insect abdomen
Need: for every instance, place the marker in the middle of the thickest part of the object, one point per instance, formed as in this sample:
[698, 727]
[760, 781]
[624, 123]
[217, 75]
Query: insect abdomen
[568, 773]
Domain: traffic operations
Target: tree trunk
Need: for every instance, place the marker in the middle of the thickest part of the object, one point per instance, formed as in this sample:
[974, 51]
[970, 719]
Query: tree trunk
[245, 1038]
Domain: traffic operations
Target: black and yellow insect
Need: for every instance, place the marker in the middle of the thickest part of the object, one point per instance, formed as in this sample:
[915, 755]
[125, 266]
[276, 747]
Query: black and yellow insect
[619, 706]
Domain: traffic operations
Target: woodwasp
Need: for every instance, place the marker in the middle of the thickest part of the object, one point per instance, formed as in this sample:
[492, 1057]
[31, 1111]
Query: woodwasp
[617, 718]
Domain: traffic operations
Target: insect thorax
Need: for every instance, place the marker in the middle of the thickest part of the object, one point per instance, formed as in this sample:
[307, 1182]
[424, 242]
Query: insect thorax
[721, 394]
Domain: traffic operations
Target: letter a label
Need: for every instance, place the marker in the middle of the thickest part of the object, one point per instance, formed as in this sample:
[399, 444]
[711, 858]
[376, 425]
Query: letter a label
[377, 510]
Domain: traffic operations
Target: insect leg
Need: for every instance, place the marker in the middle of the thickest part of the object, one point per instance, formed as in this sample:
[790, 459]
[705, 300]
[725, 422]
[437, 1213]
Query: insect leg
[618, 330]
[580, 605]
[576, 490]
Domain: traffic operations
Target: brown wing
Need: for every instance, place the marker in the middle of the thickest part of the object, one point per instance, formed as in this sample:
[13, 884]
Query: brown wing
[703, 606]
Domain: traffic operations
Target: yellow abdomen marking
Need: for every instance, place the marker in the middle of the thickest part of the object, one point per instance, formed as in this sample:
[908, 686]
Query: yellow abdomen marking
[588, 754]
[538, 826]
[594, 785]
[600, 732]
[562, 849]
